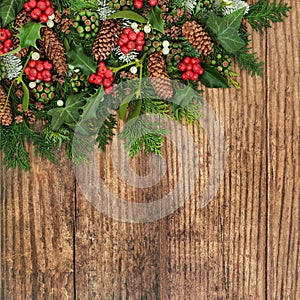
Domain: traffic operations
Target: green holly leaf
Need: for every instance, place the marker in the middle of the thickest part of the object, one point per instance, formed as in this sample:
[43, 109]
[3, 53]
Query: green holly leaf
[128, 14]
[9, 10]
[89, 122]
[79, 59]
[69, 114]
[211, 78]
[183, 98]
[226, 29]
[29, 34]
[155, 19]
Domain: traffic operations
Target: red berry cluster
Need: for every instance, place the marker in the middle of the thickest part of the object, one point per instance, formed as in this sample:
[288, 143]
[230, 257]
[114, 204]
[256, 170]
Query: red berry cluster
[38, 69]
[39, 10]
[103, 76]
[138, 4]
[5, 42]
[130, 40]
[191, 68]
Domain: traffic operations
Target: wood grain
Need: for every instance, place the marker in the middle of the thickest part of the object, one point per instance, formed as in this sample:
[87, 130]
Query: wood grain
[56, 243]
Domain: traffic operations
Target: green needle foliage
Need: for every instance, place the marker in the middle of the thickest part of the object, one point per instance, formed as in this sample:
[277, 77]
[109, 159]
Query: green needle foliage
[262, 14]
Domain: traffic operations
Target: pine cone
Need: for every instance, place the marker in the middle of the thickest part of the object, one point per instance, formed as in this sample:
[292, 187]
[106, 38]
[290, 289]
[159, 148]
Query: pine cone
[159, 77]
[197, 37]
[22, 18]
[54, 50]
[106, 40]
[16, 44]
[6, 116]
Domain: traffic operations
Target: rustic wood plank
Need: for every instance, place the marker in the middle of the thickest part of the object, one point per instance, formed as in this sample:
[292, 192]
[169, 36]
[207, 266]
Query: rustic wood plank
[37, 228]
[219, 252]
[115, 259]
[283, 158]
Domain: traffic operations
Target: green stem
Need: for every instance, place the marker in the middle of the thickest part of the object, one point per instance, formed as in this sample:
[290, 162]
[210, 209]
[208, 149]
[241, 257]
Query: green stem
[137, 62]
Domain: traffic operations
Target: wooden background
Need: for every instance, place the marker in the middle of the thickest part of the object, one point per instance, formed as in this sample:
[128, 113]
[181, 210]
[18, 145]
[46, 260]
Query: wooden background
[243, 245]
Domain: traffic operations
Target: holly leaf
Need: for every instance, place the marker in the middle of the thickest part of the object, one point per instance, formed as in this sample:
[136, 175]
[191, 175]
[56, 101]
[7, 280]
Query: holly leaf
[124, 105]
[9, 10]
[79, 59]
[183, 97]
[89, 122]
[155, 19]
[29, 34]
[128, 14]
[211, 78]
[226, 29]
[69, 114]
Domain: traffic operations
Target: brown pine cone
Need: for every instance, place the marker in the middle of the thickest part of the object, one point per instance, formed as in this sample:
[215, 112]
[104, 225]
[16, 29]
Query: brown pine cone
[159, 77]
[54, 50]
[106, 40]
[16, 44]
[22, 18]
[6, 116]
[197, 37]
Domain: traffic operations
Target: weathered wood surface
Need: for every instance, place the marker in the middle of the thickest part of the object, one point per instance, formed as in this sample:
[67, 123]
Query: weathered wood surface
[243, 245]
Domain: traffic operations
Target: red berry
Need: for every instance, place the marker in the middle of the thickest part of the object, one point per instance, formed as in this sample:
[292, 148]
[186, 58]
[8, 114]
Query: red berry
[132, 36]
[194, 60]
[33, 72]
[1, 46]
[8, 33]
[197, 68]
[27, 7]
[184, 76]
[189, 74]
[138, 4]
[182, 67]
[32, 3]
[32, 63]
[3, 35]
[131, 45]
[39, 76]
[140, 42]
[48, 3]
[187, 60]
[46, 74]
[127, 30]
[98, 80]
[139, 48]
[108, 90]
[195, 76]
[92, 78]
[140, 34]
[120, 43]
[43, 18]
[31, 78]
[5, 49]
[101, 70]
[125, 49]
[201, 71]
[109, 74]
[189, 66]
[48, 65]
[107, 82]
[35, 14]
[49, 11]
[40, 67]
[8, 43]
[41, 5]
[124, 38]
[152, 2]
[101, 65]
[27, 70]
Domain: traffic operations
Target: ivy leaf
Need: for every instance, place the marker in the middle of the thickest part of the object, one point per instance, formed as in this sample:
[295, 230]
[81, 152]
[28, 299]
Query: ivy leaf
[212, 79]
[183, 97]
[137, 110]
[29, 34]
[155, 19]
[128, 14]
[79, 59]
[67, 115]
[226, 29]
[88, 123]
[9, 10]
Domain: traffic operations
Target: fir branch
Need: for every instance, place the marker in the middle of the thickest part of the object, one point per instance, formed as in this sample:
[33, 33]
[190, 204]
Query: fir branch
[262, 14]
[106, 132]
[143, 134]
[248, 61]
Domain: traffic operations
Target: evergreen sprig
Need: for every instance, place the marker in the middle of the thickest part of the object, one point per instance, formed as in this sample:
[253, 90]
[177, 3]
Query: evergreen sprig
[262, 14]
[106, 131]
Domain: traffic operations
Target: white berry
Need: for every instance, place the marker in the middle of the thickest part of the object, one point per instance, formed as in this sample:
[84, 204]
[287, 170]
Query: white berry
[136, 30]
[32, 84]
[50, 23]
[134, 25]
[147, 29]
[165, 51]
[52, 17]
[133, 70]
[60, 103]
[165, 44]
[35, 56]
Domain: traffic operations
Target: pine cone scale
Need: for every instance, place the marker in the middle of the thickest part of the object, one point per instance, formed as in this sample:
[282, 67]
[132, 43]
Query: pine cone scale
[6, 116]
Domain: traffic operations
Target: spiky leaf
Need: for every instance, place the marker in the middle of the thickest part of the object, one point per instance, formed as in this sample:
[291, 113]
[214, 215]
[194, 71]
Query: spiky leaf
[155, 19]
[29, 34]
[128, 14]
